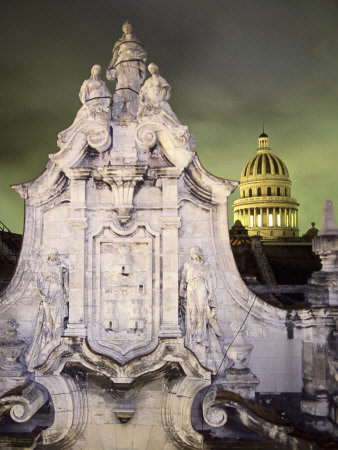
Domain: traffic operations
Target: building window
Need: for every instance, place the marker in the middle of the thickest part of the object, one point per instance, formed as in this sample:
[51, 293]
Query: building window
[269, 191]
[259, 220]
[278, 191]
[278, 220]
[250, 192]
[286, 192]
[259, 192]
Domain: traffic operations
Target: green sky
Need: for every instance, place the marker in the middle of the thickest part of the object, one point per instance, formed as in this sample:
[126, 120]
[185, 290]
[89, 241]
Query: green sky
[232, 65]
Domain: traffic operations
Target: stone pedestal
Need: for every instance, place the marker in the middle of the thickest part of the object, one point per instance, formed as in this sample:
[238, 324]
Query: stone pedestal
[241, 381]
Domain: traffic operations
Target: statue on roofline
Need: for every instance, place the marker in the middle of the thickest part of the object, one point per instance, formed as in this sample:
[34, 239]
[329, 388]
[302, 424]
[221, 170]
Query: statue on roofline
[96, 100]
[127, 67]
[154, 95]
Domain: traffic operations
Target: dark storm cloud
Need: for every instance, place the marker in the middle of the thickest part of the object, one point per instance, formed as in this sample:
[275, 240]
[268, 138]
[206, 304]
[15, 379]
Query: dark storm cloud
[232, 65]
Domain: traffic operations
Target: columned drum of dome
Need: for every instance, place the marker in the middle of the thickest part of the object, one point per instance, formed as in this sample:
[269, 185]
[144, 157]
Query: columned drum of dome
[265, 206]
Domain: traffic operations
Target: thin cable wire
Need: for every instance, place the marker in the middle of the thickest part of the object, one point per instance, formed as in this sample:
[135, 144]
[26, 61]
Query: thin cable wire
[233, 340]
[226, 352]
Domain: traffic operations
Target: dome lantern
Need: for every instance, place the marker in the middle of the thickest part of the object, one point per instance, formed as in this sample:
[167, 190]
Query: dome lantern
[263, 142]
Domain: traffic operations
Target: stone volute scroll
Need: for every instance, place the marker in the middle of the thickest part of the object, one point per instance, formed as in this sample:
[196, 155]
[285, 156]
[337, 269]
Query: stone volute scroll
[199, 305]
[158, 127]
[93, 118]
[127, 67]
[155, 109]
[52, 284]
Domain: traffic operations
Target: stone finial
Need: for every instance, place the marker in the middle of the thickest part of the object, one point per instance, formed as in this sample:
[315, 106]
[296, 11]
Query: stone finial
[329, 224]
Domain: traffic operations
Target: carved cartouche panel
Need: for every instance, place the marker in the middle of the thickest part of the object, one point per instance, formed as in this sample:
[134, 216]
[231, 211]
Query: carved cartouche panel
[125, 293]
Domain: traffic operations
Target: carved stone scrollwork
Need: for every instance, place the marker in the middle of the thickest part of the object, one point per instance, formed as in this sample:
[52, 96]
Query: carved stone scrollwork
[175, 141]
[23, 407]
[123, 181]
[93, 118]
[219, 404]
[213, 413]
[179, 396]
[70, 410]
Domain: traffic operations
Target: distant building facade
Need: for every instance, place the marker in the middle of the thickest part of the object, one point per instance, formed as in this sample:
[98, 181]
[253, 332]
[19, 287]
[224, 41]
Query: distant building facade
[10, 244]
[265, 206]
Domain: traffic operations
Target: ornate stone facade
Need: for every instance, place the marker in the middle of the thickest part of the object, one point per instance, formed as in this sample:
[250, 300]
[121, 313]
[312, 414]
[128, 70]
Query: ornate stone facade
[126, 287]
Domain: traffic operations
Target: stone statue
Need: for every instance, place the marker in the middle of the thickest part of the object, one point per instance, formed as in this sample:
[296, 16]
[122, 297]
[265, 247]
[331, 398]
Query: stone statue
[202, 332]
[127, 67]
[96, 100]
[198, 284]
[52, 284]
[154, 95]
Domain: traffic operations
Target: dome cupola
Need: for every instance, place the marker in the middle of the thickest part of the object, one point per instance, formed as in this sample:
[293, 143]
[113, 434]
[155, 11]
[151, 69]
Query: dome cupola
[265, 206]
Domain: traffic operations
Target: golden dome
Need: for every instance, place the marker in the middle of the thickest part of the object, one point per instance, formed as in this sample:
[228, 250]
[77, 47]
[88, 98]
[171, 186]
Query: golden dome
[262, 164]
[265, 206]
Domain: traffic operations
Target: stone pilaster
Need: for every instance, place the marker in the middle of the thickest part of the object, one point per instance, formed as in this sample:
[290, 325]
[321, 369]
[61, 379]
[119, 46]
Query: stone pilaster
[170, 224]
[315, 401]
[77, 224]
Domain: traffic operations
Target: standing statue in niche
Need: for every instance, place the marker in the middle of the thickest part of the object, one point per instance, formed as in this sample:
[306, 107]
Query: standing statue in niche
[96, 100]
[197, 287]
[52, 283]
[127, 67]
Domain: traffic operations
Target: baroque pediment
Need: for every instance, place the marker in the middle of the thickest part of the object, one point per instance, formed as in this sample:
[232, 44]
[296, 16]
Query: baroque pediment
[127, 278]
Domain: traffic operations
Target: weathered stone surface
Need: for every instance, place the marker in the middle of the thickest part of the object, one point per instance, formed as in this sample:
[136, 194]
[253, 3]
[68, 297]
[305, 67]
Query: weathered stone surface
[126, 285]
